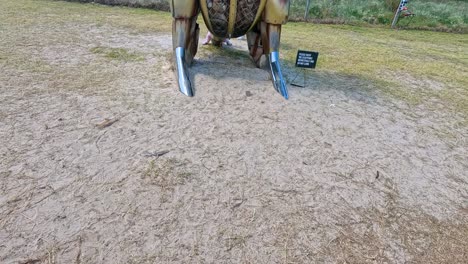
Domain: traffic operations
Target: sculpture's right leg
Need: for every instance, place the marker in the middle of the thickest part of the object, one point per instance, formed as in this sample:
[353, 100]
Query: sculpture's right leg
[264, 41]
[185, 32]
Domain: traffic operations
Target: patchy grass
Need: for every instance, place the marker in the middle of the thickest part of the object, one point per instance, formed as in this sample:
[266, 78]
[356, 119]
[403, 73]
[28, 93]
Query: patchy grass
[166, 173]
[153, 4]
[414, 66]
[118, 54]
[422, 237]
[136, 19]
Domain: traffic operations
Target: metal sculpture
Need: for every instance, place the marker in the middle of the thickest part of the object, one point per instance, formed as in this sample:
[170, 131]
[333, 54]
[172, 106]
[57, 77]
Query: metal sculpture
[260, 20]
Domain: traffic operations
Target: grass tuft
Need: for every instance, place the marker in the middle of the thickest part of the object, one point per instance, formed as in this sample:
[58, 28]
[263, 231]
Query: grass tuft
[118, 54]
[166, 174]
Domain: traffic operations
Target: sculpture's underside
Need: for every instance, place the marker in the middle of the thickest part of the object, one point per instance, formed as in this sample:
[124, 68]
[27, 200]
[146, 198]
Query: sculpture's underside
[216, 13]
[260, 20]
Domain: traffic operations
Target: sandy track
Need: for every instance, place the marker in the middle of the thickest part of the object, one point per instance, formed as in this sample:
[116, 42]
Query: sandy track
[337, 174]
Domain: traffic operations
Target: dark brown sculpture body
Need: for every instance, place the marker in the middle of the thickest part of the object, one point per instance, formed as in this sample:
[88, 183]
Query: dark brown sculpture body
[260, 20]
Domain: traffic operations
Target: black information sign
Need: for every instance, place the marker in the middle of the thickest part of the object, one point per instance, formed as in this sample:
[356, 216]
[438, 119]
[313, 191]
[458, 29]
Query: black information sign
[306, 59]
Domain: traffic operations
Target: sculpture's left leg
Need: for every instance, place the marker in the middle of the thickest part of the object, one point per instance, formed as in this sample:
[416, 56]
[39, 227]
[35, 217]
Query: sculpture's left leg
[275, 14]
[185, 32]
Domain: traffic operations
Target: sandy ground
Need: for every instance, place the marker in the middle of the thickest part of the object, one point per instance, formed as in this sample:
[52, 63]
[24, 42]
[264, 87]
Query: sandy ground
[237, 174]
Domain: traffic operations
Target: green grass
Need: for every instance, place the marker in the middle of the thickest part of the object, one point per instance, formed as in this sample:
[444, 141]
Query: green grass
[441, 15]
[154, 4]
[137, 19]
[414, 66]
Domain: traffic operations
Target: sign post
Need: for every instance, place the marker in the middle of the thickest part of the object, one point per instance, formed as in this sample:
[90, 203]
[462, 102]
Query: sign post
[305, 60]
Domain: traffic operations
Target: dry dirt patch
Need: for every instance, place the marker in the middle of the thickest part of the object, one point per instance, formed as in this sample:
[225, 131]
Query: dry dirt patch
[337, 174]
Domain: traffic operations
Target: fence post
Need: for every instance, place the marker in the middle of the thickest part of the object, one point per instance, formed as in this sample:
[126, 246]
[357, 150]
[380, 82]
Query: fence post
[307, 10]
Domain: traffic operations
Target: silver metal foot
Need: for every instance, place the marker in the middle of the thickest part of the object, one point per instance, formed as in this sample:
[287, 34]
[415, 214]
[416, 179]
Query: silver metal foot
[276, 75]
[185, 86]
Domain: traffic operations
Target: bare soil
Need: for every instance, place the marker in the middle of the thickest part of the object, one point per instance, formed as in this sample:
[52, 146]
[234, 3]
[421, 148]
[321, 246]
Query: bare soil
[102, 160]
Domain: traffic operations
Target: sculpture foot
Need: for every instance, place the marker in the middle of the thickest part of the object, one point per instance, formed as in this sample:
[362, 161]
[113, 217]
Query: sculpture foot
[276, 75]
[183, 80]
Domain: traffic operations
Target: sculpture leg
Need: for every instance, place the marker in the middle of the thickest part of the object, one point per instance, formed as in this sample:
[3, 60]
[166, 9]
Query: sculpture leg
[266, 42]
[271, 37]
[254, 42]
[264, 39]
[185, 33]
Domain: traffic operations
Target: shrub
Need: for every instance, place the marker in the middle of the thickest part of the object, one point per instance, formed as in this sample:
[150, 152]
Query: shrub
[392, 5]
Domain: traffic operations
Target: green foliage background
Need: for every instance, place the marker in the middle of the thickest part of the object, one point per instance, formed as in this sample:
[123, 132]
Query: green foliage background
[441, 15]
